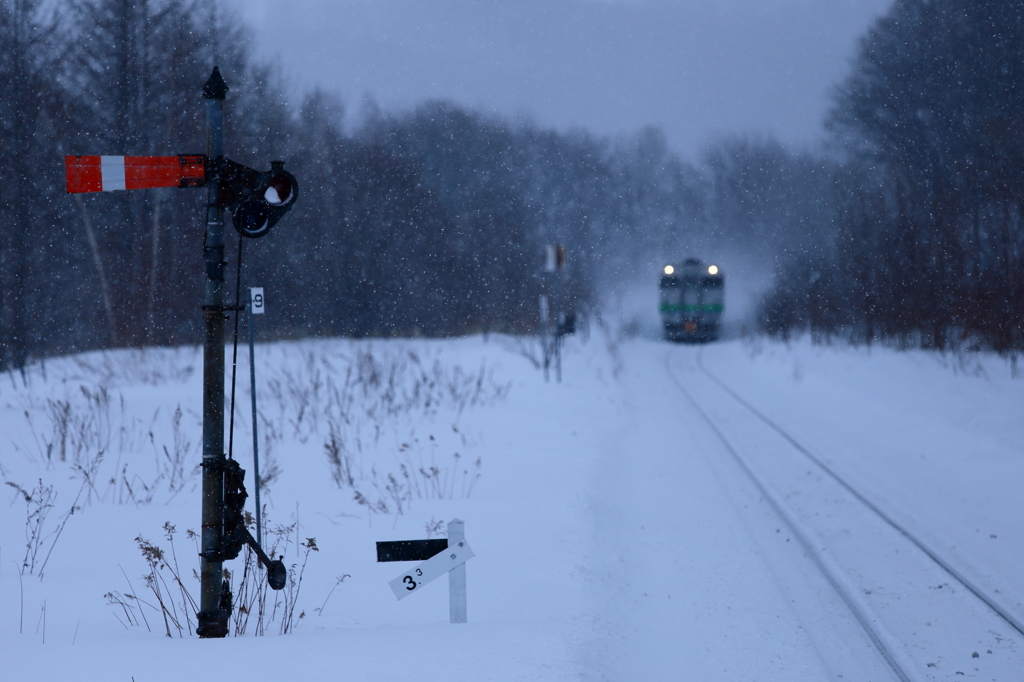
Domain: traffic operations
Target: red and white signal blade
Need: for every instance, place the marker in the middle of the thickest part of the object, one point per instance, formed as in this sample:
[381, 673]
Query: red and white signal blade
[108, 173]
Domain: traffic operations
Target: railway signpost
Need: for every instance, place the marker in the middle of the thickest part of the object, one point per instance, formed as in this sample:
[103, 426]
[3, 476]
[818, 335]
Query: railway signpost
[256, 201]
[257, 306]
[438, 557]
[551, 339]
[544, 317]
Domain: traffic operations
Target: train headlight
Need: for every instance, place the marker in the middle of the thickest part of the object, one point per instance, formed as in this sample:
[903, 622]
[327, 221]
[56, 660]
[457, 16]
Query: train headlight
[713, 270]
[669, 269]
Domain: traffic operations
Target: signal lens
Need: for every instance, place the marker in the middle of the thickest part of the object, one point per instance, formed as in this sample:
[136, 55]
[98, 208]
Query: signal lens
[280, 190]
[251, 219]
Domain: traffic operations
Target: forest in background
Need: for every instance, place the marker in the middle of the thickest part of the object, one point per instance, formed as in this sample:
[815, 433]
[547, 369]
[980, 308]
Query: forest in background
[924, 243]
[430, 221]
[433, 221]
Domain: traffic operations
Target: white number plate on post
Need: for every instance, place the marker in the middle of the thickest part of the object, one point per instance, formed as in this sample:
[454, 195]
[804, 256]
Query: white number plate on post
[256, 300]
[431, 569]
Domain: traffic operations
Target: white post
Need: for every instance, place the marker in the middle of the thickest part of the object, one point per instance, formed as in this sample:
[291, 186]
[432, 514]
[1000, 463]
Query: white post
[457, 576]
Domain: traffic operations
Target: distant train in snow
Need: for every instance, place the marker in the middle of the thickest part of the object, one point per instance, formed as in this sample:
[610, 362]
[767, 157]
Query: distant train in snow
[692, 301]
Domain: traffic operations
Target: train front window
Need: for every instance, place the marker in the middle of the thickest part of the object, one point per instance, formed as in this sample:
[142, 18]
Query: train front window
[713, 298]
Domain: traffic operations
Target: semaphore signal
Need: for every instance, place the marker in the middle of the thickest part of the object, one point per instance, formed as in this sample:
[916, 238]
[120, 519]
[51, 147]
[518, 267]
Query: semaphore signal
[111, 173]
[256, 200]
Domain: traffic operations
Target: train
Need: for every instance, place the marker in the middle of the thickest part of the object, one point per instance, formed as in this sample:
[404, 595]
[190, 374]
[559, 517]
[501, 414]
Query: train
[692, 300]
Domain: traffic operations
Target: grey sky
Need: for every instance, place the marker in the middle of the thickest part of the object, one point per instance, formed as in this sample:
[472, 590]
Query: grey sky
[697, 69]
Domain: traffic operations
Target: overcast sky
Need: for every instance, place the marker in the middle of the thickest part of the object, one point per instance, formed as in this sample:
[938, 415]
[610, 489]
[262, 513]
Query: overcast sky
[698, 69]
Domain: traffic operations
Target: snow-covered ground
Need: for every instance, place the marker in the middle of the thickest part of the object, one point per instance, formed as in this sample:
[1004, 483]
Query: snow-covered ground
[615, 537]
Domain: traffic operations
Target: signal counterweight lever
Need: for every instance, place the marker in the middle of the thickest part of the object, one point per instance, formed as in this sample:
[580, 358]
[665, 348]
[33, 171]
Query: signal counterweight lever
[235, 532]
[277, 574]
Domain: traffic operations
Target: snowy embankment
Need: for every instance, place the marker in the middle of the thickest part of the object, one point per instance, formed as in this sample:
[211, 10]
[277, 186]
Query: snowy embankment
[611, 539]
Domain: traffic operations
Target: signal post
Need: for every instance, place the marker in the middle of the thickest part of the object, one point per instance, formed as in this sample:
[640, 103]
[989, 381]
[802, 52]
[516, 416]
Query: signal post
[551, 337]
[257, 201]
[215, 595]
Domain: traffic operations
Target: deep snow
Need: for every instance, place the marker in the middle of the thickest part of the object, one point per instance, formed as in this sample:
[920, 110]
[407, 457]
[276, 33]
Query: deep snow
[614, 539]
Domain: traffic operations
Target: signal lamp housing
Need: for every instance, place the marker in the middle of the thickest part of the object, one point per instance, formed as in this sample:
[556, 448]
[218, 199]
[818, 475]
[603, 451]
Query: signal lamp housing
[257, 200]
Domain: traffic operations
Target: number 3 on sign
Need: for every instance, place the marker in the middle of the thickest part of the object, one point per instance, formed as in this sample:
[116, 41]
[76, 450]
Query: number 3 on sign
[431, 569]
[411, 584]
[256, 300]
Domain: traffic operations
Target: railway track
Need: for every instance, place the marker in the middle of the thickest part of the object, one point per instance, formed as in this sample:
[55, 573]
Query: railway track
[928, 619]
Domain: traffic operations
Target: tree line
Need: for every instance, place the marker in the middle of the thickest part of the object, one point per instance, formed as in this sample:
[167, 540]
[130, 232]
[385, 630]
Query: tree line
[922, 242]
[433, 221]
[427, 221]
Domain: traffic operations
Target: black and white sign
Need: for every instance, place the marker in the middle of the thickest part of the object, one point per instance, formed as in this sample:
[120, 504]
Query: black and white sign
[438, 557]
[256, 300]
[431, 569]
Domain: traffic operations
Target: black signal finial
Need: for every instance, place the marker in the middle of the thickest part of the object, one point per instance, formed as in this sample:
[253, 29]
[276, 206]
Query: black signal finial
[215, 87]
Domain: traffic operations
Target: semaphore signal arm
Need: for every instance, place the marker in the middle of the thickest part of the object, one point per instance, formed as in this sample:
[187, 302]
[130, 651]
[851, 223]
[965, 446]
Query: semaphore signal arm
[257, 200]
